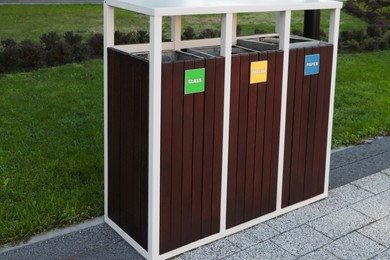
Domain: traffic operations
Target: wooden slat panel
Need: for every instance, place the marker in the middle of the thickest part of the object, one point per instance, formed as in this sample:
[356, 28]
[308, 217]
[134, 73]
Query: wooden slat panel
[289, 127]
[242, 135]
[309, 174]
[144, 152]
[296, 126]
[114, 197]
[129, 193]
[276, 130]
[303, 134]
[233, 134]
[259, 146]
[166, 157]
[186, 204]
[268, 134]
[197, 168]
[218, 136]
[250, 145]
[177, 151]
[324, 130]
[208, 148]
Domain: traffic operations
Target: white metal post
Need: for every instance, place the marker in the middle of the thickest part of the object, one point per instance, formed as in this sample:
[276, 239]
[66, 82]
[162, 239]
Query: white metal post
[334, 39]
[108, 42]
[226, 50]
[154, 135]
[176, 32]
[284, 44]
[234, 29]
[277, 21]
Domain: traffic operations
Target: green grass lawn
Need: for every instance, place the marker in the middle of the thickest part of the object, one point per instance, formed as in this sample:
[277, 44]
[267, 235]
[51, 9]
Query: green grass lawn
[25, 21]
[51, 148]
[362, 100]
[51, 134]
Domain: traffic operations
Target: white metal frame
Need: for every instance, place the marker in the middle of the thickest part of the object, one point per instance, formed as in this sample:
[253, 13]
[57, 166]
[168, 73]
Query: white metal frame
[229, 11]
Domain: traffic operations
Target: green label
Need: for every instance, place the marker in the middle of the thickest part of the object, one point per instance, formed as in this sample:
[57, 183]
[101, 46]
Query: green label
[194, 81]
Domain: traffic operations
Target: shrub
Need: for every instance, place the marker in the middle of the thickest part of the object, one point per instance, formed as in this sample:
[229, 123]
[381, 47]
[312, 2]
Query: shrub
[59, 54]
[8, 43]
[357, 35]
[188, 33]
[374, 31]
[259, 31]
[353, 8]
[209, 33]
[72, 39]
[31, 55]
[143, 36]
[80, 52]
[11, 58]
[96, 44]
[49, 40]
[239, 30]
[120, 38]
[297, 32]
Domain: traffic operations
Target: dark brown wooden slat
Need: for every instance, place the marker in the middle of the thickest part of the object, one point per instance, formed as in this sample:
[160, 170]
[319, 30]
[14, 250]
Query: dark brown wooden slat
[186, 203]
[144, 152]
[197, 167]
[303, 134]
[130, 197]
[309, 174]
[289, 127]
[242, 135]
[166, 157]
[177, 152]
[113, 136]
[276, 130]
[218, 134]
[293, 198]
[250, 145]
[324, 130]
[233, 134]
[259, 146]
[208, 148]
[269, 114]
[318, 121]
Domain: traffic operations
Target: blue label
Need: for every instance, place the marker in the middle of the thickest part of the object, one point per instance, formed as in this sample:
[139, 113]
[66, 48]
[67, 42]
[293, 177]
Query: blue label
[312, 64]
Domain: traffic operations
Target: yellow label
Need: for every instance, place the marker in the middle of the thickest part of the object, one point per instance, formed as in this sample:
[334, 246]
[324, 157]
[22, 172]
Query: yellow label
[259, 71]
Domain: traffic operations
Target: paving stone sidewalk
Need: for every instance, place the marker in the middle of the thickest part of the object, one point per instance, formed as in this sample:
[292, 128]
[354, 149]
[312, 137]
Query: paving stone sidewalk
[352, 223]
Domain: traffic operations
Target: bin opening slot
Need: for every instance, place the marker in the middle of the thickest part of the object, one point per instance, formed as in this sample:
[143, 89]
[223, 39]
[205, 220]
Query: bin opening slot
[169, 56]
[215, 51]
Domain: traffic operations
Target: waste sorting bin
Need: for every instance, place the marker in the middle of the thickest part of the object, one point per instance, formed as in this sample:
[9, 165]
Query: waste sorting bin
[191, 145]
[207, 137]
[253, 131]
[310, 67]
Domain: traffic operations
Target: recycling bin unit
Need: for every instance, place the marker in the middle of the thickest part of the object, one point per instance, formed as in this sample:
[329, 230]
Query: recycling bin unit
[205, 138]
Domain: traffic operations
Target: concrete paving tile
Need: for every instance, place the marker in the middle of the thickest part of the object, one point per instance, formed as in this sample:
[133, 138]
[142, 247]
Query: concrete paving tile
[350, 193]
[340, 223]
[320, 254]
[375, 183]
[62, 246]
[308, 213]
[216, 250]
[116, 251]
[301, 240]
[378, 231]
[252, 236]
[383, 256]
[354, 246]
[263, 251]
[376, 207]
[386, 171]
